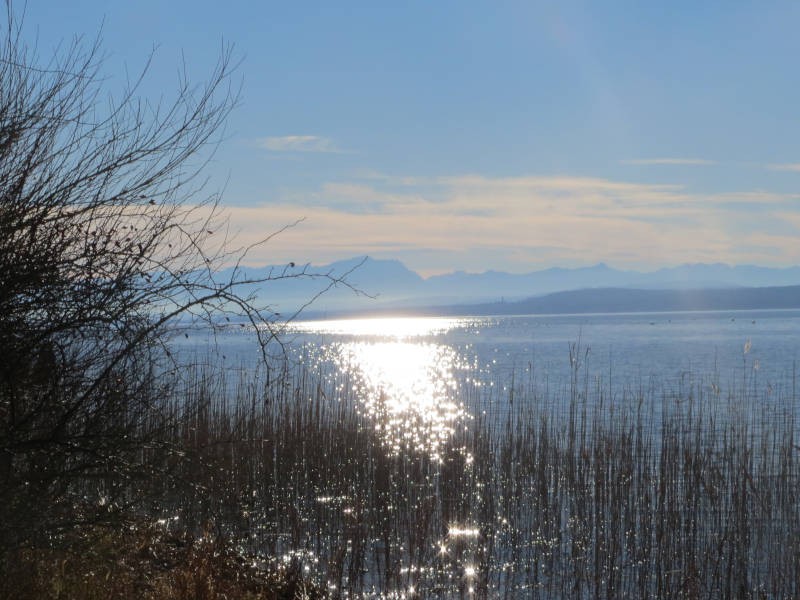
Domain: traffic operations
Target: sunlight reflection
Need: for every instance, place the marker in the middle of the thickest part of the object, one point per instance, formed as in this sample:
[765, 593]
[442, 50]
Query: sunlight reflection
[384, 327]
[455, 531]
[408, 388]
[407, 382]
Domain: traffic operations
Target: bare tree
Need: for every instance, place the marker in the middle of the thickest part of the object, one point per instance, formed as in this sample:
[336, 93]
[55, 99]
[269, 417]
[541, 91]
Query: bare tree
[107, 244]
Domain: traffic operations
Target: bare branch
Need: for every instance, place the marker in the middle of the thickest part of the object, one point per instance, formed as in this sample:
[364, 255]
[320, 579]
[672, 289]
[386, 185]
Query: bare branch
[109, 245]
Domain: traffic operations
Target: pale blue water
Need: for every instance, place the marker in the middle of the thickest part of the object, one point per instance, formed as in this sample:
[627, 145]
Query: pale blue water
[630, 348]
[618, 353]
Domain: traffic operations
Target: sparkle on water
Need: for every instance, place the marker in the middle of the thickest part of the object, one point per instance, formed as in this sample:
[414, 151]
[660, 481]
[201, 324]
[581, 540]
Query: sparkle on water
[456, 531]
[392, 327]
[407, 381]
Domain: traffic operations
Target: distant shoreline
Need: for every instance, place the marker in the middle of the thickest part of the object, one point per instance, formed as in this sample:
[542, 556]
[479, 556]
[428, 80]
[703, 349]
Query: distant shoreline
[601, 301]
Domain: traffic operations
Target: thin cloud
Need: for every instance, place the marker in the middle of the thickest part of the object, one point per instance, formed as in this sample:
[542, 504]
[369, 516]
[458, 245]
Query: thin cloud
[794, 167]
[755, 197]
[482, 222]
[299, 143]
[691, 162]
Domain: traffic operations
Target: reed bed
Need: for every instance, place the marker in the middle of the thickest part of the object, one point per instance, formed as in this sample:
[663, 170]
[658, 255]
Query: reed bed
[686, 493]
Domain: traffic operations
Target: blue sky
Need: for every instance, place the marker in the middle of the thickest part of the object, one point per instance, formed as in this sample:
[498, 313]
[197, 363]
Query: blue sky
[475, 135]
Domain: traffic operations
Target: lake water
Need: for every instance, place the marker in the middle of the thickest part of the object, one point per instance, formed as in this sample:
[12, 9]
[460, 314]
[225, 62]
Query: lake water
[461, 495]
[421, 377]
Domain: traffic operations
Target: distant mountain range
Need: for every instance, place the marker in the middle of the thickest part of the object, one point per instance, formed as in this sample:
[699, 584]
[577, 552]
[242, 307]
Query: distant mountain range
[388, 284]
[619, 300]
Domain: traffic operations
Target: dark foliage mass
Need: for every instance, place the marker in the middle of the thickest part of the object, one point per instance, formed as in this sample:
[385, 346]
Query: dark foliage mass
[108, 246]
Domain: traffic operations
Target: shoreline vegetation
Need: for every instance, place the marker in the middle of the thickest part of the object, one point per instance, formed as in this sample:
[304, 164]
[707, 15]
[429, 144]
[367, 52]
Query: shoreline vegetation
[279, 489]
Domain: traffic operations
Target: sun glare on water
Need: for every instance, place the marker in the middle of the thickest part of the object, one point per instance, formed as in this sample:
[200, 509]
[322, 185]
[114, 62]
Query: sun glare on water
[405, 379]
[388, 327]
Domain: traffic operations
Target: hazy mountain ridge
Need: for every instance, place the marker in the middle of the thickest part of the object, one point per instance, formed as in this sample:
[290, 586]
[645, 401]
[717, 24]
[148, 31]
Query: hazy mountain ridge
[390, 284]
[621, 300]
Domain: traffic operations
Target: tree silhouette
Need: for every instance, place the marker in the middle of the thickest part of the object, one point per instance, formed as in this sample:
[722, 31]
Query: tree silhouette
[108, 244]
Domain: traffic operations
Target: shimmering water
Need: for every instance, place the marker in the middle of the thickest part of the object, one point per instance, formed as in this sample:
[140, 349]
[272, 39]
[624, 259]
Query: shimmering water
[422, 377]
[467, 494]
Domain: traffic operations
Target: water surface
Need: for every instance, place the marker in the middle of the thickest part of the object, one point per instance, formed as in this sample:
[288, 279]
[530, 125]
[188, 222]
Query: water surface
[420, 378]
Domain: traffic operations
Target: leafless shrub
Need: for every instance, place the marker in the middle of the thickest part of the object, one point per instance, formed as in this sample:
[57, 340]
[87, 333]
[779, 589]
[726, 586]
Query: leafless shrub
[108, 244]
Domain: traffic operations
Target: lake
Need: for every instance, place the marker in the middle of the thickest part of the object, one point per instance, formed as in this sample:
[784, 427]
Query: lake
[534, 456]
[420, 377]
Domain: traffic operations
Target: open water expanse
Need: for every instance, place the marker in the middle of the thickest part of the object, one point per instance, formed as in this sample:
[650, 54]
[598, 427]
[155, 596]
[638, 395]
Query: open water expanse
[623, 349]
[446, 368]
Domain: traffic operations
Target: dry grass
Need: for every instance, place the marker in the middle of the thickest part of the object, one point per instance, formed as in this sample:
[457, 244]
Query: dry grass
[146, 562]
[687, 494]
